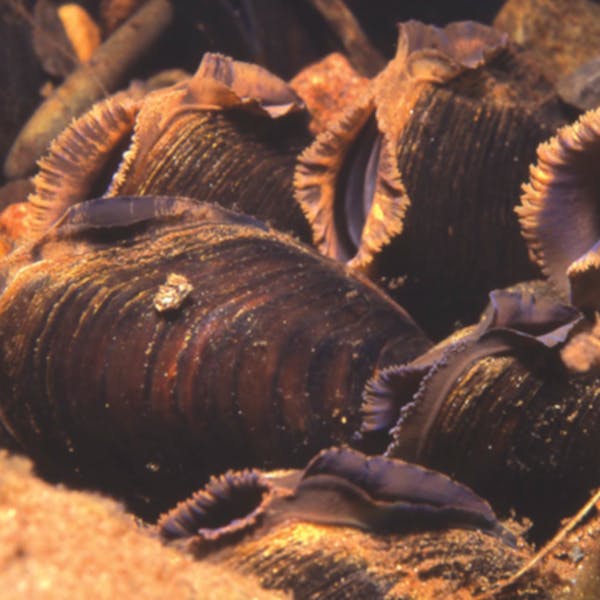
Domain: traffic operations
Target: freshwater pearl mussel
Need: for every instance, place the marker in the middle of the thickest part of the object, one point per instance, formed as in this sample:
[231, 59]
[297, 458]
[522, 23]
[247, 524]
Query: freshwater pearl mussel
[509, 406]
[156, 340]
[497, 407]
[228, 134]
[347, 526]
[150, 341]
[417, 179]
[194, 369]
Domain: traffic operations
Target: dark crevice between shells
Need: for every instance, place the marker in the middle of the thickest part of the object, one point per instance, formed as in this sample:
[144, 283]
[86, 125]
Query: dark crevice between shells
[356, 188]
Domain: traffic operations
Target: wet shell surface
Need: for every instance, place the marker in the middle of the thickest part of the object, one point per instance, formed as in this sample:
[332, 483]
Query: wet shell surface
[496, 408]
[345, 527]
[229, 134]
[418, 179]
[158, 340]
[320, 561]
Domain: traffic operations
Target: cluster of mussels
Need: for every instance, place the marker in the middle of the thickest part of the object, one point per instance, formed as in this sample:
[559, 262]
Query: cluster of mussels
[210, 277]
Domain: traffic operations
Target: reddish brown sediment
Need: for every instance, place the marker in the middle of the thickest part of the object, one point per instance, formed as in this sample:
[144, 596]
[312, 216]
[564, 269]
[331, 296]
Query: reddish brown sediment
[58, 543]
[328, 88]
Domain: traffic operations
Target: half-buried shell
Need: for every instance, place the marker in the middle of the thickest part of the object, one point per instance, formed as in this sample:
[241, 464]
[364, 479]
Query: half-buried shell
[152, 341]
[348, 526]
[496, 408]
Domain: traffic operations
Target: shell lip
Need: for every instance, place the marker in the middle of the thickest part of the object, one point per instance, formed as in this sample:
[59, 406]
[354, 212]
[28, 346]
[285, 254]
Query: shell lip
[343, 486]
[558, 213]
[521, 313]
[120, 214]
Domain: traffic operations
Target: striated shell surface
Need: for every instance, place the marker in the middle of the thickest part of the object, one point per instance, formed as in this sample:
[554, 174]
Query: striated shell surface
[229, 134]
[344, 527]
[334, 563]
[417, 180]
[156, 340]
[497, 408]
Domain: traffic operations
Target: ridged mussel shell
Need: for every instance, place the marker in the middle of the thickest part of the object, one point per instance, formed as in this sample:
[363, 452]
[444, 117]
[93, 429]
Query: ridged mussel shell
[161, 339]
[229, 134]
[346, 527]
[495, 407]
[418, 179]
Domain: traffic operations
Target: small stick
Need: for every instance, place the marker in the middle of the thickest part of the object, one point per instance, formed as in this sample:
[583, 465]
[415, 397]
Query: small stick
[87, 84]
[360, 51]
[549, 547]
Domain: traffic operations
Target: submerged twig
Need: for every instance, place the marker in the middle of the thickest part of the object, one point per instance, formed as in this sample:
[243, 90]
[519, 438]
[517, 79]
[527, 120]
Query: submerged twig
[61, 48]
[87, 84]
[360, 51]
[545, 551]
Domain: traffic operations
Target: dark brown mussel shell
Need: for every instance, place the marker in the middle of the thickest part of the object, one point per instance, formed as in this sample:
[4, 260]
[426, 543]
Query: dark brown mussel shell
[156, 340]
[496, 408]
[229, 134]
[417, 181]
[348, 526]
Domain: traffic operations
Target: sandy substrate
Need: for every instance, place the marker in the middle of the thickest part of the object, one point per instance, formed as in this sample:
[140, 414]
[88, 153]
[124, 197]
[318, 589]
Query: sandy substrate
[62, 544]
[57, 543]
